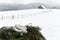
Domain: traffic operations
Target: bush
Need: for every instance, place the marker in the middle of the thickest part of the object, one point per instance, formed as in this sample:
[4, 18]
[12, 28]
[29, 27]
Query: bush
[33, 33]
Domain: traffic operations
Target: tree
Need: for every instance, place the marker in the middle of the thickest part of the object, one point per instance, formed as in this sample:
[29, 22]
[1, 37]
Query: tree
[33, 33]
[40, 7]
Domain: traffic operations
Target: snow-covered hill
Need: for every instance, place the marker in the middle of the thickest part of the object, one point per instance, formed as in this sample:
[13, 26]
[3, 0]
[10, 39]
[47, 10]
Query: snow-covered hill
[47, 19]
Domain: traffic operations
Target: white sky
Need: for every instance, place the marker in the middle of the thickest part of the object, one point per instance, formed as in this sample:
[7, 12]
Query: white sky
[29, 1]
[17, 1]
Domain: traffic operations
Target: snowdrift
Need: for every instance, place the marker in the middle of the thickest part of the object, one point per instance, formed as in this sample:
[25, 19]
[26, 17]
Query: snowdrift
[47, 19]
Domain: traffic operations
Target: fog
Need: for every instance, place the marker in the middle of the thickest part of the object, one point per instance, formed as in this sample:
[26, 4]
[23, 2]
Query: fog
[48, 3]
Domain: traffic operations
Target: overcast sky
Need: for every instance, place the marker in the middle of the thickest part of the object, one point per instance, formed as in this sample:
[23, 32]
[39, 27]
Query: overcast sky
[46, 3]
[29, 1]
[17, 1]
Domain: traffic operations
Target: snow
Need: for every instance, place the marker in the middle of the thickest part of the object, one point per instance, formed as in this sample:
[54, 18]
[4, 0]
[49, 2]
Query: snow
[47, 19]
[21, 28]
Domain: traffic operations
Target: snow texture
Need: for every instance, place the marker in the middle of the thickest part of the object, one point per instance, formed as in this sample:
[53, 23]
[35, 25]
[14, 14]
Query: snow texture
[47, 19]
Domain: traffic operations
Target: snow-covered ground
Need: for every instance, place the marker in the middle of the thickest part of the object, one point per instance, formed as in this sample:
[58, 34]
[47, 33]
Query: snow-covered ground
[47, 19]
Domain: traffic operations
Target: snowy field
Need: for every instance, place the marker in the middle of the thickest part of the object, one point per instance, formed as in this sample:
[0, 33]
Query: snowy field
[47, 19]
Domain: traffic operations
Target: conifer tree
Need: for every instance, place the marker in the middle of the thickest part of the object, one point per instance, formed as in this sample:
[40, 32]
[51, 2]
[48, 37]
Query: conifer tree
[33, 33]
